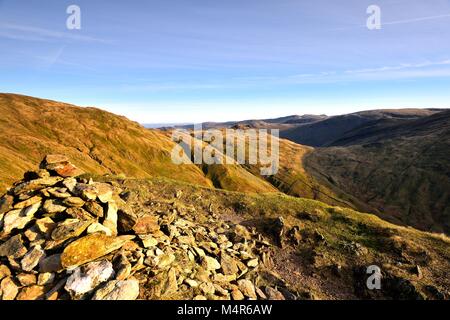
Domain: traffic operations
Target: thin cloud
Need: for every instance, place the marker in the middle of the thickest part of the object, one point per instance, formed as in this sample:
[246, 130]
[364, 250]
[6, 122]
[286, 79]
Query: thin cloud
[418, 19]
[428, 69]
[22, 32]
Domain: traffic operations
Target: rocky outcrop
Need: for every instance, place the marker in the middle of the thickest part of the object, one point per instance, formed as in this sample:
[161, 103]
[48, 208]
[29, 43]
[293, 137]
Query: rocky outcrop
[63, 236]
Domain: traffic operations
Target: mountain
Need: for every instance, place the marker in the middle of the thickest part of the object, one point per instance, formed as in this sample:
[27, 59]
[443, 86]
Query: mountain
[275, 123]
[325, 132]
[102, 142]
[369, 168]
[399, 170]
[105, 143]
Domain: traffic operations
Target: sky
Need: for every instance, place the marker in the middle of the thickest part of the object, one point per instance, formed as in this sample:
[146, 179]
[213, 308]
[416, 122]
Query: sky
[181, 61]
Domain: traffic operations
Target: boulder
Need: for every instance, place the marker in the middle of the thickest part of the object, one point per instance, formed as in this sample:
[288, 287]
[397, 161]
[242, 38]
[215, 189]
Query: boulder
[31, 293]
[97, 227]
[13, 248]
[8, 289]
[32, 258]
[19, 218]
[86, 278]
[118, 290]
[94, 208]
[6, 203]
[209, 263]
[91, 247]
[247, 288]
[110, 221]
[69, 228]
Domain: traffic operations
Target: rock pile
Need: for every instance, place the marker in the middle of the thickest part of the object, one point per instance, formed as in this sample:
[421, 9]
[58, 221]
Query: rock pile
[63, 236]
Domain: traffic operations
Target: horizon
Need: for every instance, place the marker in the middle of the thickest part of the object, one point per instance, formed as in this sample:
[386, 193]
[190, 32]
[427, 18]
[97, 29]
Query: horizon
[191, 62]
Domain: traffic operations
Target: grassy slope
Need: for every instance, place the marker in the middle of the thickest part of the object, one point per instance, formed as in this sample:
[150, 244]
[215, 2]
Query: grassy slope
[96, 140]
[308, 266]
[402, 174]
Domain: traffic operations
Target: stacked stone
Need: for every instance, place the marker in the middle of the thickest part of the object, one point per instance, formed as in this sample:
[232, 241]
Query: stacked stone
[63, 236]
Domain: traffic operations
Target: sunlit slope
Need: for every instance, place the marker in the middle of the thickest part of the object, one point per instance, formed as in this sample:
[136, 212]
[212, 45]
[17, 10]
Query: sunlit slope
[99, 141]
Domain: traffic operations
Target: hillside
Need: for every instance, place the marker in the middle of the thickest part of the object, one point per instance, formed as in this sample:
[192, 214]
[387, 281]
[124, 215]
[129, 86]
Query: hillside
[401, 172]
[325, 132]
[105, 143]
[102, 142]
[97, 237]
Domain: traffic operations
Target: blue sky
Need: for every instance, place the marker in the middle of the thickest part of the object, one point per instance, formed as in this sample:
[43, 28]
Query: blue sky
[201, 60]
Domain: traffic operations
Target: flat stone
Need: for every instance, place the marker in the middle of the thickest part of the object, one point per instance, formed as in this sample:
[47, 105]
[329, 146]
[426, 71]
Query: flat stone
[70, 228]
[26, 279]
[51, 264]
[79, 213]
[28, 202]
[46, 278]
[236, 294]
[191, 282]
[33, 234]
[67, 170]
[54, 158]
[4, 271]
[247, 288]
[252, 263]
[94, 208]
[104, 192]
[36, 184]
[110, 221]
[32, 258]
[70, 183]
[46, 226]
[59, 193]
[86, 278]
[118, 290]
[220, 277]
[209, 263]
[86, 191]
[148, 241]
[8, 289]
[170, 284]
[98, 227]
[228, 264]
[13, 248]
[91, 247]
[31, 293]
[53, 206]
[18, 219]
[74, 202]
[6, 203]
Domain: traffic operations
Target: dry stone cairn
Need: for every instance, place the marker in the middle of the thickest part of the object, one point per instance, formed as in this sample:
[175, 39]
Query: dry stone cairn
[64, 236]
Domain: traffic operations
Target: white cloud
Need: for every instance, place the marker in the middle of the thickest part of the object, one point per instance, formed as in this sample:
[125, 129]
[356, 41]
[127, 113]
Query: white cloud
[29, 33]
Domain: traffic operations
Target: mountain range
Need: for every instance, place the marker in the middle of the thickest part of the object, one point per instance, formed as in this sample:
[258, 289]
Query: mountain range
[335, 174]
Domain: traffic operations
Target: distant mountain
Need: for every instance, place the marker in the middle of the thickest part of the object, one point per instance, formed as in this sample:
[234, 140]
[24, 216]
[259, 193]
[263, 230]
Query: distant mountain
[330, 129]
[399, 169]
[275, 123]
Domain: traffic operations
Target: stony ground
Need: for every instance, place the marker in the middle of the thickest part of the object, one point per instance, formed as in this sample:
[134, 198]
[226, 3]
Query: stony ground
[108, 238]
[68, 238]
